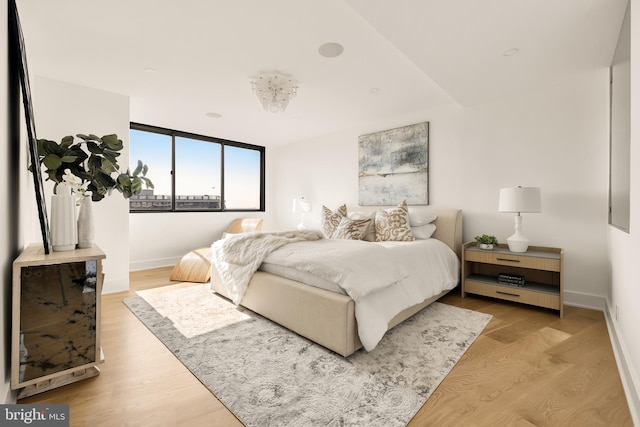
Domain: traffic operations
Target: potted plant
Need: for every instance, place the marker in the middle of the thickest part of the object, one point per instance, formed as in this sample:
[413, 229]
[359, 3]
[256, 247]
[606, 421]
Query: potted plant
[90, 168]
[486, 241]
[94, 166]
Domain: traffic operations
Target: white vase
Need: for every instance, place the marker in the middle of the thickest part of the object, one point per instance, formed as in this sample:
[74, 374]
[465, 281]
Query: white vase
[64, 234]
[85, 224]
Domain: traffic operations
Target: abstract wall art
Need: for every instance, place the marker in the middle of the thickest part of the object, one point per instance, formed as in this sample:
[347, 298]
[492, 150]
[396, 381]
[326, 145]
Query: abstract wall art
[394, 165]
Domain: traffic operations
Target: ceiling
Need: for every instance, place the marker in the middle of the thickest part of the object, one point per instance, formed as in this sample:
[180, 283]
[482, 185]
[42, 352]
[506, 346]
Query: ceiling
[178, 61]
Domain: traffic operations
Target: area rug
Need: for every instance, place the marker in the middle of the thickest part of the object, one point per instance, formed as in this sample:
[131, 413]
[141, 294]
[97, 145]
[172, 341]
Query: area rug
[269, 376]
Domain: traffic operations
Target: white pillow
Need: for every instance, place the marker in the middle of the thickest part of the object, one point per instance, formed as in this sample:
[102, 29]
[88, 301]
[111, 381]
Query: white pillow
[417, 217]
[423, 232]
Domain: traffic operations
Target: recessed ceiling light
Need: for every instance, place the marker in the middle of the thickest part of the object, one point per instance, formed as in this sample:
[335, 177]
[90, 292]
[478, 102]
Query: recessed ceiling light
[151, 71]
[374, 90]
[331, 50]
[213, 115]
[511, 52]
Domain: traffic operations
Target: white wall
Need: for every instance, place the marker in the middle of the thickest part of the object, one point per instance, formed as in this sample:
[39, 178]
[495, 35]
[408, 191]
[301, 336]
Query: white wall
[555, 139]
[624, 247]
[62, 109]
[161, 239]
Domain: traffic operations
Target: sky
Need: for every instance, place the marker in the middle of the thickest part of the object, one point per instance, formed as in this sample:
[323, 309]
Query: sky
[198, 168]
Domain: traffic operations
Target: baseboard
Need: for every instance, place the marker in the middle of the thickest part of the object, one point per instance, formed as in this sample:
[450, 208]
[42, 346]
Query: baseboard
[628, 376]
[115, 286]
[10, 396]
[577, 299]
[153, 263]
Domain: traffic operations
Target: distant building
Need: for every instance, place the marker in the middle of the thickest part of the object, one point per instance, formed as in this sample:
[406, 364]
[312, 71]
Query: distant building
[147, 201]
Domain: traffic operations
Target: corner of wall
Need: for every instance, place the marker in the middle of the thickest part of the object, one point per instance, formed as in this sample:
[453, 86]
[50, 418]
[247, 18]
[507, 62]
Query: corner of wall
[10, 396]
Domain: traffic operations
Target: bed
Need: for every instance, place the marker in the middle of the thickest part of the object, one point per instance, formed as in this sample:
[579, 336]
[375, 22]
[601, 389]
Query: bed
[327, 317]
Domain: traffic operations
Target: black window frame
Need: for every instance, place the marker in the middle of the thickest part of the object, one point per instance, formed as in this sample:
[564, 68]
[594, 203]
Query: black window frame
[223, 142]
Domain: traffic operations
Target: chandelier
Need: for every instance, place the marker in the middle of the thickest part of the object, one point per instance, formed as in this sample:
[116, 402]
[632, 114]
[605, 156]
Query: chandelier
[274, 91]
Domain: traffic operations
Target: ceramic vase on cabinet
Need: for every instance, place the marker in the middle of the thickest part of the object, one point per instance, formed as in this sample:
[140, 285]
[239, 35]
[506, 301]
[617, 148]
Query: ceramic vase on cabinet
[64, 232]
[85, 224]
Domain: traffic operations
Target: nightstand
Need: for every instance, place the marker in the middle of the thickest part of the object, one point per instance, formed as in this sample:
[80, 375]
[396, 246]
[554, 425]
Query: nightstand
[540, 266]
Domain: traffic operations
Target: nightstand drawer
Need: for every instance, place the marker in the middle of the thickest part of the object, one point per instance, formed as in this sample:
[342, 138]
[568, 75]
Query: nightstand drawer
[512, 293]
[514, 260]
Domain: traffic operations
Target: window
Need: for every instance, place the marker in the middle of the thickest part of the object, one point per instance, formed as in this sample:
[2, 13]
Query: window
[196, 173]
[241, 169]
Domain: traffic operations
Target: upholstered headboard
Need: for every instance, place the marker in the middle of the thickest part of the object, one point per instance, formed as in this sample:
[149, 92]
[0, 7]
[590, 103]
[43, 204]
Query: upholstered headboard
[448, 227]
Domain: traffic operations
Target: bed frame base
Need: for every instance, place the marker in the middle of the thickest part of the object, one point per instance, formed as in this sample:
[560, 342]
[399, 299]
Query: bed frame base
[325, 317]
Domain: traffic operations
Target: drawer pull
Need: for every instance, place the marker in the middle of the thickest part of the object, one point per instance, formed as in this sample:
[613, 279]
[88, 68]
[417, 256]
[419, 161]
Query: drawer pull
[507, 293]
[508, 260]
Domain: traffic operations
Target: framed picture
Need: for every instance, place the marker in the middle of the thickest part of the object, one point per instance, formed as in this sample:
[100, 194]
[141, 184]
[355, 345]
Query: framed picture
[18, 64]
[394, 165]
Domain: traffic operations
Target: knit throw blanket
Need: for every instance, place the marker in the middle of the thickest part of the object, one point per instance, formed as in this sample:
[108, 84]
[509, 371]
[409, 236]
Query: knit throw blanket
[238, 256]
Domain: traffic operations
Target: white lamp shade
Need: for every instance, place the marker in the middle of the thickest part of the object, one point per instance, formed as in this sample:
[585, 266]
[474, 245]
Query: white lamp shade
[520, 199]
[301, 205]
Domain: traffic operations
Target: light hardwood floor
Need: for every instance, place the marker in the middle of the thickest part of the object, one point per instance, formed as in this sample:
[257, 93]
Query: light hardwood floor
[528, 368]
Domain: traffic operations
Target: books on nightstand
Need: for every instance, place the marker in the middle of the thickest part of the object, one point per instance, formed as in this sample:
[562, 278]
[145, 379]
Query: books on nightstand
[511, 279]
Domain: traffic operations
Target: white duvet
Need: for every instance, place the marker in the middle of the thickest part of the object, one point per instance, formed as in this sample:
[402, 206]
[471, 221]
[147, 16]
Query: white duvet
[412, 271]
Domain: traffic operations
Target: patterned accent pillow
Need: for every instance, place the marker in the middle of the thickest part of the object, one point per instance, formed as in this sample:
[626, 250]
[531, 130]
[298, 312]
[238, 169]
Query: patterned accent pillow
[354, 229]
[330, 220]
[370, 233]
[393, 224]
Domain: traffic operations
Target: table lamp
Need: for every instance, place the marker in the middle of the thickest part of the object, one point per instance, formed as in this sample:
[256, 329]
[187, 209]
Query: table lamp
[519, 200]
[302, 206]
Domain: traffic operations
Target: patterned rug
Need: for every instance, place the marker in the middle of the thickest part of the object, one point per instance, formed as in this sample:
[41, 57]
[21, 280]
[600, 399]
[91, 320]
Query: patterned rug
[269, 376]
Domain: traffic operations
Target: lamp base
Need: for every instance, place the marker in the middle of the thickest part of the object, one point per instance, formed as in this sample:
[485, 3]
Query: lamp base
[518, 243]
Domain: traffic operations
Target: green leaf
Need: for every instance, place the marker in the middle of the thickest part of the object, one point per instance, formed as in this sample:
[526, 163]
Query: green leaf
[148, 182]
[107, 166]
[94, 148]
[94, 162]
[96, 196]
[136, 185]
[111, 153]
[83, 136]
[41, 148]
[51, 147]
[124, 180]
[68, 159]
[77, 151]
[112, 142]
[105, 180]
[66, 142]
[52, 161]
[145, 169]
[138, 169]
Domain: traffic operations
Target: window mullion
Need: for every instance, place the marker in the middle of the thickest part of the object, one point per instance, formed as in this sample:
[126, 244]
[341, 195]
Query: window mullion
[222, 198]
[173, 173]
